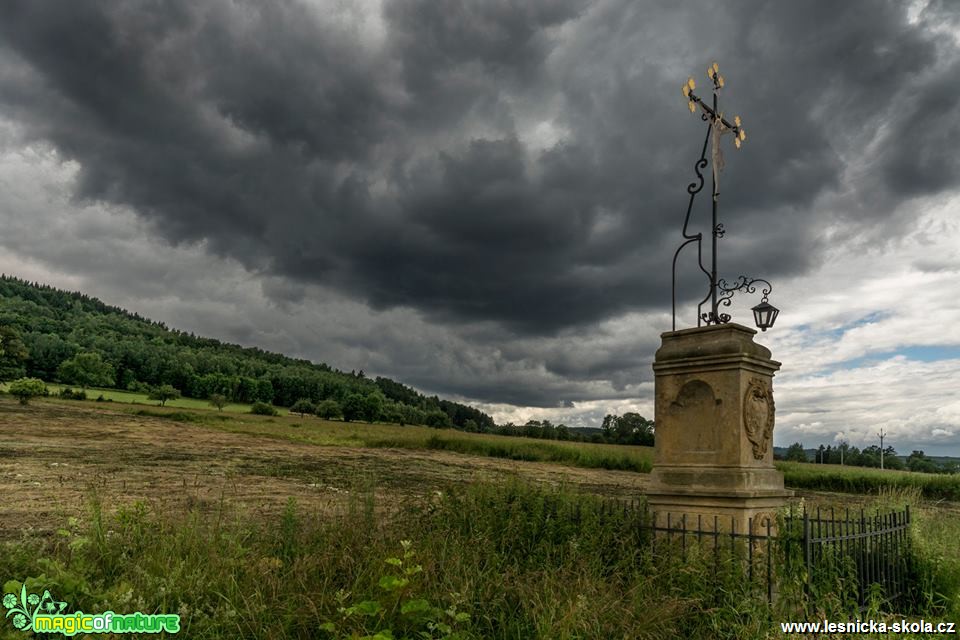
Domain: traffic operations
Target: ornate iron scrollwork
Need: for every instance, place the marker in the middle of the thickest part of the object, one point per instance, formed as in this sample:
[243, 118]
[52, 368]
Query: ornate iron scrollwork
[719, 291]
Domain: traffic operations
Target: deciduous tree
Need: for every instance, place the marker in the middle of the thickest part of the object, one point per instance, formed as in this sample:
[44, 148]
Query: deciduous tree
[328, 409]
[163, 393]
[218, 400]
[353, 407]
[87, 370]
[303, 407]
[795, 453]
[13, 353]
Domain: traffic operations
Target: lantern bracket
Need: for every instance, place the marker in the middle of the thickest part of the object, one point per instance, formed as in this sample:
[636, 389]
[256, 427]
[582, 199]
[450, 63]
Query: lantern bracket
[725, 293]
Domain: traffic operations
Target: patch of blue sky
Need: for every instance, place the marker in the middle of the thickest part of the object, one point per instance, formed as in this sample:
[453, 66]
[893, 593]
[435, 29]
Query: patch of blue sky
[870, 318]
[930, 353]
[920, 353]
[813, 335]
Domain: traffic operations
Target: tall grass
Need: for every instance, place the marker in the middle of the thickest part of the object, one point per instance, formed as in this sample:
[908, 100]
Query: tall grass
[483, 561]
[862, 480]
[511, 561]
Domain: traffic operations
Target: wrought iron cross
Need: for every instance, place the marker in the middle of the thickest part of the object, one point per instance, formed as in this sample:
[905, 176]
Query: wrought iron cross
[720, 291]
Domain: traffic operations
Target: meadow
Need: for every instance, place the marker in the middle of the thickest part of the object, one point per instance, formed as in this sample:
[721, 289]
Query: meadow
[864, 480]
[317, 431]
[133, 397]
[259, 527]
[798, 475]
[487, 560]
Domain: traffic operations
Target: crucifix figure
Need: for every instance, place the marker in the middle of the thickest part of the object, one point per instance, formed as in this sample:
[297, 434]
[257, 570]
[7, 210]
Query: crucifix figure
[720, 292]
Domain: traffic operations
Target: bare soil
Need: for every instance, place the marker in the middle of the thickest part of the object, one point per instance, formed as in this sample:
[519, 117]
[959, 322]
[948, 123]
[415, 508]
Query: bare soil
[55, 455]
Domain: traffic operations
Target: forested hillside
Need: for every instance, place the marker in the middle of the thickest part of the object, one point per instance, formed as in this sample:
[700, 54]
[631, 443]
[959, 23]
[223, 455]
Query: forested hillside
[72, 338]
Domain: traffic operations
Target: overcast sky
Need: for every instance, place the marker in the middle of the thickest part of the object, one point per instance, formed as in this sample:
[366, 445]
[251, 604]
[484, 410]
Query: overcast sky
[482, 199]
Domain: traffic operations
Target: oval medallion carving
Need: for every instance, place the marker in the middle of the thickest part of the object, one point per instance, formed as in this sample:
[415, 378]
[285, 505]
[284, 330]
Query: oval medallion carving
[758, 411]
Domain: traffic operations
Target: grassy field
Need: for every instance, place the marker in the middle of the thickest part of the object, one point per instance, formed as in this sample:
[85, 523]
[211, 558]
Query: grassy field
[483, 561]
[257, 527]
[863, 480]
[329, 432]
[314, 430]
[236, 419]
[798, 475]
[132, 397]
[53, 450]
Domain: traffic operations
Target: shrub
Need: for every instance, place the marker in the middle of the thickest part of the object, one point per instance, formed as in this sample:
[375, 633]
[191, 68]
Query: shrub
[70, 394]
[303, 406]
[263, 409]
[328, 409]
[438, 419]
[218, 400]
[26, 388]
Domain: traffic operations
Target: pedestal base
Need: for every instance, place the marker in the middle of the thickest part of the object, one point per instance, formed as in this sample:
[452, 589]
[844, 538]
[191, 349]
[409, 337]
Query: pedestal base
[713, 459]
[741, 512]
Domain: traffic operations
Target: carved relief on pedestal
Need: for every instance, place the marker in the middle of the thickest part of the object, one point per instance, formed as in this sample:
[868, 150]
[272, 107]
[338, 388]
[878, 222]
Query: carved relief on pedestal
[758, 414]
[700, 410]
[761, 520]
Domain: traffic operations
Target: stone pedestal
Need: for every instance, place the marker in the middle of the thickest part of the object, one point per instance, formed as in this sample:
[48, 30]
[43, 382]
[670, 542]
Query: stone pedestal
[714, 417]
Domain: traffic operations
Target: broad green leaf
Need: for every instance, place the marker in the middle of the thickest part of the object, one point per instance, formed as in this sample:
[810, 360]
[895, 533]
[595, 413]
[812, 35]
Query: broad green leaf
[415, 606]
[392, 583]
[394, 561]
[328, 626]
[367, 608]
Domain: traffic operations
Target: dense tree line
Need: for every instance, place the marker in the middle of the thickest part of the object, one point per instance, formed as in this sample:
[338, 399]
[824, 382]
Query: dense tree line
[73, 338]
[630, 428]
[870, 457]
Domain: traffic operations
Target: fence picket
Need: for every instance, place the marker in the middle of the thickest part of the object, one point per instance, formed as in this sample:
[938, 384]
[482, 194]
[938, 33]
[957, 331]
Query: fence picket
[875, 547]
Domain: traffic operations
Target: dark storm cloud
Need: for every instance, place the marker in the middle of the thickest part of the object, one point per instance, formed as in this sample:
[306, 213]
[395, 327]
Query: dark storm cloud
[488, 364]
[395, 156]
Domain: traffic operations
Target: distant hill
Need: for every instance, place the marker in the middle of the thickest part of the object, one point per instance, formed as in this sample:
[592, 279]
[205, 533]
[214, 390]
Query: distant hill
[42, 328]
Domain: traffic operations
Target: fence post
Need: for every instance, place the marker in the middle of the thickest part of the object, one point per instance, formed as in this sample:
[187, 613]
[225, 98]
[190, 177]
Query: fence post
[806, 553]
[769, 565]
[683, 537]
[716, 544]
[864, 569]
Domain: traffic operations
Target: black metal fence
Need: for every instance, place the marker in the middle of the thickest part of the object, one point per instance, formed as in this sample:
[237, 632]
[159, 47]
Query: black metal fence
[873, 549]
[865, 556]
[755, 547]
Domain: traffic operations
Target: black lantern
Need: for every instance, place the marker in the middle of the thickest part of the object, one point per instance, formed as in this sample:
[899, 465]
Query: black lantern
[765, 314]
